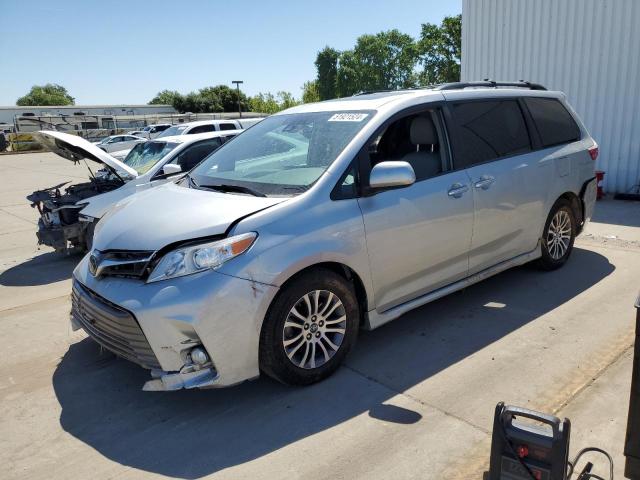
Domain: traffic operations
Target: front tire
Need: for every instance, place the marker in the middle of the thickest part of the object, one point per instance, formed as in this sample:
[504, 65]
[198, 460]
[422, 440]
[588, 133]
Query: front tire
[309, 329]
[558, 236]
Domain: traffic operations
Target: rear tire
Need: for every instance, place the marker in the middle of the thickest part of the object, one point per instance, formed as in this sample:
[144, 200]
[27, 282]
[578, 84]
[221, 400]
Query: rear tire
[310, 328]
[558, 236]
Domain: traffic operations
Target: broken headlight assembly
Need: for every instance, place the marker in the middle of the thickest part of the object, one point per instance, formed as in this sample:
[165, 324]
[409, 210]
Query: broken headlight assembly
[198, 258]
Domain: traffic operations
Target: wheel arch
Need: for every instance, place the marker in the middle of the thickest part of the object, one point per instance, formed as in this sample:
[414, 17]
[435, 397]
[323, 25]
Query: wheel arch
[346, 272]
[576, 206]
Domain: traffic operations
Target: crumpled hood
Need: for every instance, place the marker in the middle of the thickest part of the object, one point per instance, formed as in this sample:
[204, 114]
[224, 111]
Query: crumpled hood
[157, 217]
[75, 148]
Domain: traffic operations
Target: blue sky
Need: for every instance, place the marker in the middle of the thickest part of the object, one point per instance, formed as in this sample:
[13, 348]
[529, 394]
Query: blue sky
[126, 51]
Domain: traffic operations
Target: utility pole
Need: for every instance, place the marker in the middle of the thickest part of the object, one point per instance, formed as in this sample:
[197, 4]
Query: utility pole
[237, 83]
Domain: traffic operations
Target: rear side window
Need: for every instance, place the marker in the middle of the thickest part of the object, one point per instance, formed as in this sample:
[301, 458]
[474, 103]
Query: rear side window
[202, 129]
[488, 130]
[554, 123]
[227, 126]
[194, 154]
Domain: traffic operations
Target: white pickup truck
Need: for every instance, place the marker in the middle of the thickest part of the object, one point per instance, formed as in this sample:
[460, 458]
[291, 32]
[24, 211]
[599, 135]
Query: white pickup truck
[204, 126]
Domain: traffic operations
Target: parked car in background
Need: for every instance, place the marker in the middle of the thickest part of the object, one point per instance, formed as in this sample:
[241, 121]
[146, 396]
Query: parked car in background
[67, 218]
[118, 142]
[273, 252]
[203, 126]
[153, 131]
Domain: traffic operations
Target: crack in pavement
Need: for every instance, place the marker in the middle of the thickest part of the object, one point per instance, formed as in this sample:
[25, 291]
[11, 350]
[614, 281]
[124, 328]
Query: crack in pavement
[17, 216]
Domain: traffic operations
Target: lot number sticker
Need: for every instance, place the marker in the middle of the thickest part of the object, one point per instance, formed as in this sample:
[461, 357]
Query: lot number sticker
[348, 117]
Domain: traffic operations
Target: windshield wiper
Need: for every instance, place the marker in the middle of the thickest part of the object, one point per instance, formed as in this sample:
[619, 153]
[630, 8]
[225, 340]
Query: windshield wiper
[233, 188]
[192, 182]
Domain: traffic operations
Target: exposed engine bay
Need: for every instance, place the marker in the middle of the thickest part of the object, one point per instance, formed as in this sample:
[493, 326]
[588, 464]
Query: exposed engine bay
[60, 225]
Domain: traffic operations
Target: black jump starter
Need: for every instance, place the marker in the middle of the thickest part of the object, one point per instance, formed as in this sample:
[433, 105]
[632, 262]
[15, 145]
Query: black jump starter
[527, 451]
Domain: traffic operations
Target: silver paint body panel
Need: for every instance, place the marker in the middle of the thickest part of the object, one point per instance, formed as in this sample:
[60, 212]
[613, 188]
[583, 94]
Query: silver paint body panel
[407, 246]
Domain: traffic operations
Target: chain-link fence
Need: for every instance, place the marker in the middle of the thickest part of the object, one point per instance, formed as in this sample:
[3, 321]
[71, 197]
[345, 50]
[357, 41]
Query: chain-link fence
[96, 127]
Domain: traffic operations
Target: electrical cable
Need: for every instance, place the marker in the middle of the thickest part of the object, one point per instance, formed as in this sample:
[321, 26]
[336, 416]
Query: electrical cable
[590, 475]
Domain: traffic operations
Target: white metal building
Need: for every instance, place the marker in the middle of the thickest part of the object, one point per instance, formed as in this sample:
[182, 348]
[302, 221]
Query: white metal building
[590, 49]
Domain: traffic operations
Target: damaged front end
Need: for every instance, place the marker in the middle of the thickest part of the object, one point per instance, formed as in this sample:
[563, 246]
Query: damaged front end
[60, 225]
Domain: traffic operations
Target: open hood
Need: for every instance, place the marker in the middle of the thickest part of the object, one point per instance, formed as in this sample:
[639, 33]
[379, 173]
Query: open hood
[76, 148]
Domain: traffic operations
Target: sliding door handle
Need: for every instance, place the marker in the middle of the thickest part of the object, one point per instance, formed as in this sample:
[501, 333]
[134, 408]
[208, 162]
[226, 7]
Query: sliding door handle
[484, 182]
[457, 190]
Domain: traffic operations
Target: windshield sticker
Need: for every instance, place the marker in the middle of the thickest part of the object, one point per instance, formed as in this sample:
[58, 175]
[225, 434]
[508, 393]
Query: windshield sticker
[348, 117]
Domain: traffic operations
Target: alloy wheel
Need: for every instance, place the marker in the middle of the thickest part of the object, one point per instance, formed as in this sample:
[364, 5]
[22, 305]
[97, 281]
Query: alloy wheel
[314, 329]
[559, 234]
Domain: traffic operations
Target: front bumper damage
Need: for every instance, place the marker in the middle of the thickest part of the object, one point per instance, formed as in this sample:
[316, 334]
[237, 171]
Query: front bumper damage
[221, 313]
[61, 236]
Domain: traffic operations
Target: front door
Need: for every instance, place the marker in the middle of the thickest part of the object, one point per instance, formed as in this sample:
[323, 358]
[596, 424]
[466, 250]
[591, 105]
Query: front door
[418, 236]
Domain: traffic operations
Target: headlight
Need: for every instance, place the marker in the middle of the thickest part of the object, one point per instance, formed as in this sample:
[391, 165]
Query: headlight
[197, 258]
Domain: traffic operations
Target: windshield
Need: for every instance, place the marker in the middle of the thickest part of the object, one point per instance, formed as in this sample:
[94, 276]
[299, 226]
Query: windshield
[283, 154]
[145, 155]
[175, 130]
[104, 140]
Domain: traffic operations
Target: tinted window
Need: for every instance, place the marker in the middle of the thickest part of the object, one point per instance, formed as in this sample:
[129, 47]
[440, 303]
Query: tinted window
[161, 128]
[194, 154]
[488, 130]
[202, 129]
[553, 122]
[227, 126]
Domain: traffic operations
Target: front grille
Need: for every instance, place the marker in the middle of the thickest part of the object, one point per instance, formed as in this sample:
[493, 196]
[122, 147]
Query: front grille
[122, 263]
[111, 326]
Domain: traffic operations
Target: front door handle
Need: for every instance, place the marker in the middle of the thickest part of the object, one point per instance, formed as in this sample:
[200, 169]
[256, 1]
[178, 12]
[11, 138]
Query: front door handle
[484, 182]
[457, 190]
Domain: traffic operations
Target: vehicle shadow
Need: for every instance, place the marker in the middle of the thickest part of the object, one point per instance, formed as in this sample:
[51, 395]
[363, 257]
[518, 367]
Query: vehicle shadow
[42, 269]
[190, 434]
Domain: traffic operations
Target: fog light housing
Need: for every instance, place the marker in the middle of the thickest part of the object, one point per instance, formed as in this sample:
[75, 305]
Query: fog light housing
[199, 356]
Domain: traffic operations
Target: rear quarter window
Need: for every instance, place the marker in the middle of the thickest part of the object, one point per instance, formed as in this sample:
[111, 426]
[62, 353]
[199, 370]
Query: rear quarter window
[202, 129]
[554, 123]
[487, 130]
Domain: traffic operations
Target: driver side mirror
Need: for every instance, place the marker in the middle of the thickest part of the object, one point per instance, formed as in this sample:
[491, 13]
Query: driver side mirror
[392, 174]
[171, 169]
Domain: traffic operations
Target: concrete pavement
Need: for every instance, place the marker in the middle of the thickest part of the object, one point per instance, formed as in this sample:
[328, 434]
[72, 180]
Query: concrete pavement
[414, 400]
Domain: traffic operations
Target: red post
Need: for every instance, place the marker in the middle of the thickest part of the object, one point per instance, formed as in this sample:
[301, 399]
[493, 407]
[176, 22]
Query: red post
[599, 180]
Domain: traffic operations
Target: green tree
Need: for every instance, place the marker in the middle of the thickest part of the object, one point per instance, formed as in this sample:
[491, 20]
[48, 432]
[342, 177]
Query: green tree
[195, 102]
[226, 97]
[310, 92]
[269, 103]
[439, 51]
[327, 67]
[49, 94]
[384, 61]
[167, 97]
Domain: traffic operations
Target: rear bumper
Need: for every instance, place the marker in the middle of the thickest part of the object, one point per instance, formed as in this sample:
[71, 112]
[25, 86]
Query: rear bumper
[222, 313]
[588, 196]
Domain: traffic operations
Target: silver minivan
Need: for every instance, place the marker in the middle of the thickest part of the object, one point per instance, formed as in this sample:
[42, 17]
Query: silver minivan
[330, 217]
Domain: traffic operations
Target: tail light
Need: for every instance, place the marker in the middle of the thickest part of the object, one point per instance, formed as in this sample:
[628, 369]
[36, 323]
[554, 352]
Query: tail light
[594, 151]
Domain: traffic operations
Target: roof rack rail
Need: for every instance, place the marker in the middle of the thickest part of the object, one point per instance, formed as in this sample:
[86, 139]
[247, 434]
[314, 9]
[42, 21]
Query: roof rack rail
[369, 92]
[491, 84]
